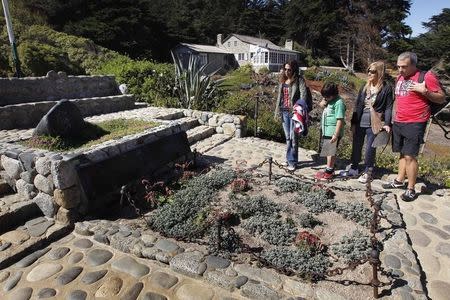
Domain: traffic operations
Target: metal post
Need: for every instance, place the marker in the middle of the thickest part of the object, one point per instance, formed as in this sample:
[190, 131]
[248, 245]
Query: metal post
[270, 168]
[375, 262]
[256, 116]
[195, 157]
[11, 38]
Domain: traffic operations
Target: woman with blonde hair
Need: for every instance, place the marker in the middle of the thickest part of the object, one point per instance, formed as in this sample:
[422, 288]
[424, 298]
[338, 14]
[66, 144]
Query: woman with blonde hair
[374, 102]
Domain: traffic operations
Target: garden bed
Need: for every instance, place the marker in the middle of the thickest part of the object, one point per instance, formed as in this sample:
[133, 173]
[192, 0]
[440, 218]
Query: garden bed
[295, 227]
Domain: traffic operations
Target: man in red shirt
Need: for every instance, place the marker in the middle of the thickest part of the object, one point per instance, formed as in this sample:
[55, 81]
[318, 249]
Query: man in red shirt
[412, 112]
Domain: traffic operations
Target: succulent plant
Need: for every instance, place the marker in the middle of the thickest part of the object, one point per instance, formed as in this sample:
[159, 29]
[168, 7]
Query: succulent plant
[273, 230]
[307, 220]
[289, 185]
[304, 262]
[353, 247]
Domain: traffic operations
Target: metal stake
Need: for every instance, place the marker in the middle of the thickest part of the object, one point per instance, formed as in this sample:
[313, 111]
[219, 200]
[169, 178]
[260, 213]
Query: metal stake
[270, 159]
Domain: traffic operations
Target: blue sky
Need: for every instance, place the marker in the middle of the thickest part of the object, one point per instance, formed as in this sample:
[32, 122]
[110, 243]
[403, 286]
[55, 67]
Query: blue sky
[421, 11]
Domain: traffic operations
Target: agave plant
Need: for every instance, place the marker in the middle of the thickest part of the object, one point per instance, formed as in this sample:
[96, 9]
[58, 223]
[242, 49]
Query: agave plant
[196, 88]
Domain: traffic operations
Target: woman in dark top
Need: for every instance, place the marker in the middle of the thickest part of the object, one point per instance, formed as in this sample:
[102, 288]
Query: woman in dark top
[376, 95]
[292, 88]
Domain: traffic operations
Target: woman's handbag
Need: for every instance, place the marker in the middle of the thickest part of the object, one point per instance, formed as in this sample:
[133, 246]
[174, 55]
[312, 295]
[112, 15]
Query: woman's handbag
[375, 121]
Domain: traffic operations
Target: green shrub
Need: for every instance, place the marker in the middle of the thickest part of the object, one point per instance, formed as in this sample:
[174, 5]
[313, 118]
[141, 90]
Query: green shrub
[268, 127]
[46, 49]
[234, 79]
[242, 103]
[148, 81]
[37, 59]
[310, 74]
[264, 70]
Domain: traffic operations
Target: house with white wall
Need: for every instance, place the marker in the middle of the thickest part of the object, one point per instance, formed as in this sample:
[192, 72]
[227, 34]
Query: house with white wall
[258, 52]
[219, 60]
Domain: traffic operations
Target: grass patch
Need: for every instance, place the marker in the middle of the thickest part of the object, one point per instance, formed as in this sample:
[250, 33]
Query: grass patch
[93, 134]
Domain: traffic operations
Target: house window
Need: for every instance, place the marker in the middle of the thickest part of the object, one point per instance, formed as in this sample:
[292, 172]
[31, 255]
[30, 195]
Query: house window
[229, 44]
[203, 59]
[241, 56]
[252, 54]
[266, 57]
[235, 43]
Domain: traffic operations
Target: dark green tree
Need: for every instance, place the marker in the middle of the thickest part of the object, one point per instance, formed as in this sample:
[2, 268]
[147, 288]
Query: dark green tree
[433, 47]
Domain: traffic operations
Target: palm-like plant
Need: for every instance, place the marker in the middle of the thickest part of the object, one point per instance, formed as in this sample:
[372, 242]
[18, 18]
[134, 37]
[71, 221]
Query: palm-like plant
[196, 89]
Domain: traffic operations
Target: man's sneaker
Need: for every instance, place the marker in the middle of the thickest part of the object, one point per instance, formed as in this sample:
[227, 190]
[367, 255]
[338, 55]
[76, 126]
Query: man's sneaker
[285, 164]
[350, 173]
[394, 185]
[291, 168]
[408, 195]
[363, 178]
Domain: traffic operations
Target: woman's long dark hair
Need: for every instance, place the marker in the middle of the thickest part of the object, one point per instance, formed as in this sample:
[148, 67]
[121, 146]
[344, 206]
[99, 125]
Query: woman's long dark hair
[295, 69]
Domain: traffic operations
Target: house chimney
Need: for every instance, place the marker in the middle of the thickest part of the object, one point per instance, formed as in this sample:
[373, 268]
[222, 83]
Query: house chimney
[219, 39]
[289, 44]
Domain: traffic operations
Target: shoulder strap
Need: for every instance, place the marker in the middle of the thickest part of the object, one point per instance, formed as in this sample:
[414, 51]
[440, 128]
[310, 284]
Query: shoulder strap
[422, 76]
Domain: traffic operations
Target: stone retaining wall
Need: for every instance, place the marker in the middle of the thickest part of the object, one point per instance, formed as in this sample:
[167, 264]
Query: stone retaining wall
[55, 86]
[28, 115]
[52, 179]
[232, 125]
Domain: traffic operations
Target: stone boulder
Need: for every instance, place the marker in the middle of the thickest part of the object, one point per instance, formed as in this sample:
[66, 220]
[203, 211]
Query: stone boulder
[64, 120]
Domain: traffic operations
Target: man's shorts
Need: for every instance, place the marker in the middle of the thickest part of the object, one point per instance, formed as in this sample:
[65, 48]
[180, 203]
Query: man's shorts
[407, 137]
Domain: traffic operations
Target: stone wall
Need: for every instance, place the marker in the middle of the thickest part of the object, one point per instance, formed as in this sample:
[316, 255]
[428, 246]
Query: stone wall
[55, 86]
[52, 179]
[232, 125]
[28, 115]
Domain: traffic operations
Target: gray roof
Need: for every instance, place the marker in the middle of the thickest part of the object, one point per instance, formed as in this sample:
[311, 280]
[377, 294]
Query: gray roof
[205, 48]
[259, 42]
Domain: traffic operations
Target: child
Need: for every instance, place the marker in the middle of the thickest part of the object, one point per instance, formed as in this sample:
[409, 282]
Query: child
[332, 125]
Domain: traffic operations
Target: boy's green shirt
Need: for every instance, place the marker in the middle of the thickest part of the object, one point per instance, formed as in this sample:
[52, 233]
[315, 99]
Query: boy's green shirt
[334, 110]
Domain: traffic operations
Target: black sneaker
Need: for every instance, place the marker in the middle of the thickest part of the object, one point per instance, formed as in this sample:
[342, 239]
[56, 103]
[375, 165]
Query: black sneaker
[409, 195]
[394, 185]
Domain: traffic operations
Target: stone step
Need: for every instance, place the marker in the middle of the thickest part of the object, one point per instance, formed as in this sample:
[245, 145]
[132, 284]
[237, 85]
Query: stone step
[169, 115]
[187, 123]
[211, 142]
[27, 239]
[199, 133]
[14, 210]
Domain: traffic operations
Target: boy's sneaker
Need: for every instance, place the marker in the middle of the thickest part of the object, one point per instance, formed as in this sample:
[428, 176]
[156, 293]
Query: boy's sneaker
[319, 175]
[327, 176]
[350, 173]
[408, 195]
[291, 168]
[394, 185]
[363, 178]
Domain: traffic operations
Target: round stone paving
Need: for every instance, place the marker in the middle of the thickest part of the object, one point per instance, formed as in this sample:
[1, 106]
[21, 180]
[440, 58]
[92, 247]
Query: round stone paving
[43, 271]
